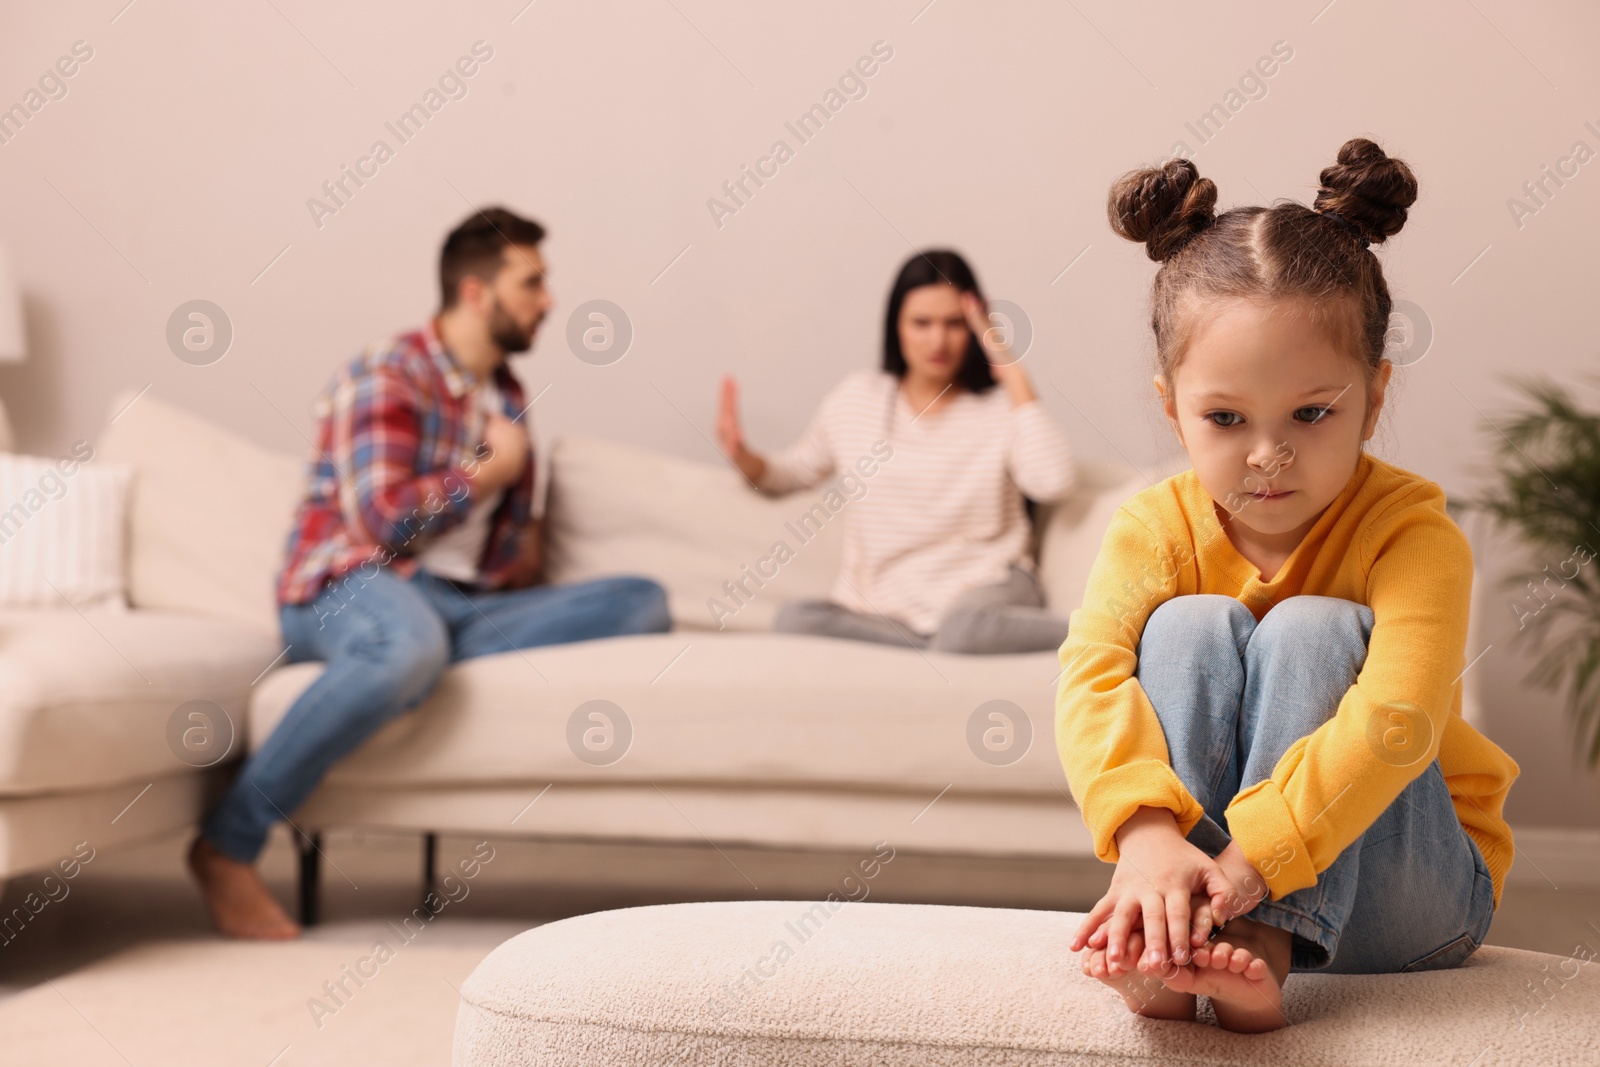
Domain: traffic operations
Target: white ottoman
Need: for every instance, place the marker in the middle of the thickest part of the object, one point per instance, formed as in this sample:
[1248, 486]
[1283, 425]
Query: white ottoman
[777, 983]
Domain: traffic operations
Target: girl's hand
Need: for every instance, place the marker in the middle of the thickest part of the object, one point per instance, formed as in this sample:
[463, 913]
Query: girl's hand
[1155, 877]
[1203, 921]
[1251, 888]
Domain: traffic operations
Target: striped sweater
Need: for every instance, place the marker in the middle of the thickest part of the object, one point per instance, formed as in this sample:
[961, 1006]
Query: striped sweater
[941, 511]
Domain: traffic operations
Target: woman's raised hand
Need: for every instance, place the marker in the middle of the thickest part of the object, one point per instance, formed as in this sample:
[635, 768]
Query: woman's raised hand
[728, 431]
[731, 437]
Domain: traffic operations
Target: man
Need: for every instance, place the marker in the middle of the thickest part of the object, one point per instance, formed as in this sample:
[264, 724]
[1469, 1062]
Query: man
[413, 548]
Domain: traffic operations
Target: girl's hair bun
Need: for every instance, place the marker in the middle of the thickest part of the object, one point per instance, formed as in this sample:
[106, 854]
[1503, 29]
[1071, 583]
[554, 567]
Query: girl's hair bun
[1368, 188]
[1163, 207]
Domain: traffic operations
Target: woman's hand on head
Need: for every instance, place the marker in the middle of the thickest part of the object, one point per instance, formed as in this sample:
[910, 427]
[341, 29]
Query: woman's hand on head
[1158, 872]
[990, 338]
[1003, 365]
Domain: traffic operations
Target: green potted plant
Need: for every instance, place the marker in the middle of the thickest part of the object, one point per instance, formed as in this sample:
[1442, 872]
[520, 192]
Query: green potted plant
[1547, 488]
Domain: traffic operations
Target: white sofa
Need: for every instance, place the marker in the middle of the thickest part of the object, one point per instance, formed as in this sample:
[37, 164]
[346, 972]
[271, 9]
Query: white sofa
[738, 737]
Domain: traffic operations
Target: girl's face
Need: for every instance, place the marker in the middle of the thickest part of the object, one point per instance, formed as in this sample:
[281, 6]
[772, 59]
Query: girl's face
[1273, 417]
[933, 331]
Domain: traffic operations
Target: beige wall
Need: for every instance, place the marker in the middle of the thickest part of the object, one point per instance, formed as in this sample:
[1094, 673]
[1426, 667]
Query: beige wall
[179, 164]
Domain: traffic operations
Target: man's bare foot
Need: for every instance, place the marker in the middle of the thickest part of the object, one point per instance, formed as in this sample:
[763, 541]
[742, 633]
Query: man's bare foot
[1242, 972]
[1142, 992]
[238, 899]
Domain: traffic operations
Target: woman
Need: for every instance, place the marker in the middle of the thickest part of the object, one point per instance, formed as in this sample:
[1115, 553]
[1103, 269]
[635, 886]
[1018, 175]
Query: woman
[936, 551]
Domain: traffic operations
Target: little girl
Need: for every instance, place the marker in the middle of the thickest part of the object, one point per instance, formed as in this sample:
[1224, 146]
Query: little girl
[1260, 703]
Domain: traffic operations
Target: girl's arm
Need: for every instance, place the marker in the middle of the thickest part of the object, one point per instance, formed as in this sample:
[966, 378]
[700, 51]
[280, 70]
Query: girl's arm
[1115, 754]
[1334, 783]
[1109, 739]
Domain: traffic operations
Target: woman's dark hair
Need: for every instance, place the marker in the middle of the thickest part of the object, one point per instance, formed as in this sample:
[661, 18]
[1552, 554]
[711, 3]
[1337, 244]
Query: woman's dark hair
[934, 267]
[1314, 256]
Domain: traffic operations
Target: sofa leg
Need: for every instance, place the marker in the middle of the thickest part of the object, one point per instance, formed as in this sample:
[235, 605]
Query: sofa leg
[309, 847]
[430, 855]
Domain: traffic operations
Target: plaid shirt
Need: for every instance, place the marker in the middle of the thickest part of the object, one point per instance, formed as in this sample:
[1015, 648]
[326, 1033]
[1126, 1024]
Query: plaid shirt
[397, 433]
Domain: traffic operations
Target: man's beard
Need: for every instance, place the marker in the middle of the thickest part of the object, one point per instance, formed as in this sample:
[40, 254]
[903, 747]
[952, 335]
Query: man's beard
[504, 331]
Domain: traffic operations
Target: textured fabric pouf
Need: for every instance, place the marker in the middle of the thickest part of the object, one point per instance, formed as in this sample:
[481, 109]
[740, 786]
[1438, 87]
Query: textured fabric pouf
[777, 983]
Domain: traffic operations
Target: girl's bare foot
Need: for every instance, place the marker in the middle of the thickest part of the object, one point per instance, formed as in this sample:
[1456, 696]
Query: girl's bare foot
[1142, 992]
[240, 903]
[1242, 972]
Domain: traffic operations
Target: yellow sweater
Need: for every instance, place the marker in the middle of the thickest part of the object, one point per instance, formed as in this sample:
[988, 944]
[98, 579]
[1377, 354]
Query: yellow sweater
[1386, 542]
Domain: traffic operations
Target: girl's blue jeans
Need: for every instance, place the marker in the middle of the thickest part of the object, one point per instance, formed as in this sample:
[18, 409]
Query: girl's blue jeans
[1412, 892]
[387, 640]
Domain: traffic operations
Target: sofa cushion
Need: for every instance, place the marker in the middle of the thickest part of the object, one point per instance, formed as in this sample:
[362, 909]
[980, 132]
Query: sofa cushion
[208, 514]
[61, 533]
[693, 527]
[725, 708]
[86, 697]
[785, 983]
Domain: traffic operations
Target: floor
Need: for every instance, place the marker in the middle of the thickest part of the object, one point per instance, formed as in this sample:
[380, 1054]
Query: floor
[124, 970]
[140, 894]
[125, 897]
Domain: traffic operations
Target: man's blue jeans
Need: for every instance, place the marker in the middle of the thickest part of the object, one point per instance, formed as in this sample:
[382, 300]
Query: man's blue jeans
[1412, 892]
[387, 640]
